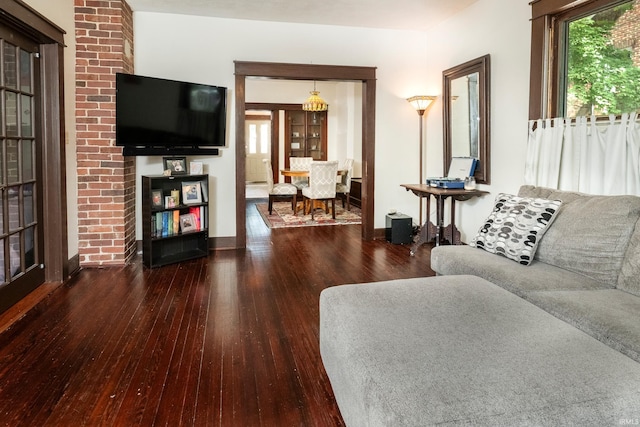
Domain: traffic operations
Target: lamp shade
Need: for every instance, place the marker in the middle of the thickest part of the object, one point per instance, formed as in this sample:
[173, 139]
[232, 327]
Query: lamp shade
[421, 102]
[314, 102]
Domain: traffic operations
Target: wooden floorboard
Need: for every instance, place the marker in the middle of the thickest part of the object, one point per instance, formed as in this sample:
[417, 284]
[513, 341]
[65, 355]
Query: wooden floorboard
[228, 340]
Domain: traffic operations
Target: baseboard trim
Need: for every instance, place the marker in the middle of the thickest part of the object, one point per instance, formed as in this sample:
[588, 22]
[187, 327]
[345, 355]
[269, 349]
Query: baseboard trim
[223, 243]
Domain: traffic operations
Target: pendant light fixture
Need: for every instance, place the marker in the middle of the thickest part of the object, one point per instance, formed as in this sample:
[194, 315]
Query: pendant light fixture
[314, 102]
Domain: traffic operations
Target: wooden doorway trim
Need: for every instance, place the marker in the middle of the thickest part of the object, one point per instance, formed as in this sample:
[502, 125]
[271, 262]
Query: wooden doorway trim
[365, 75]
[26, 20]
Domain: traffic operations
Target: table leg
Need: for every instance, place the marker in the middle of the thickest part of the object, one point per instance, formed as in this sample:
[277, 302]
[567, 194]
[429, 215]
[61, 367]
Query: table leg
[427, 231]
[440, 220]
[451, 232]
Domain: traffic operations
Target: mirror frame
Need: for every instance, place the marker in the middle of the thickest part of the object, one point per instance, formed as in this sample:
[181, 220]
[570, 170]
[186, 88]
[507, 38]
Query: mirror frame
[480, 65]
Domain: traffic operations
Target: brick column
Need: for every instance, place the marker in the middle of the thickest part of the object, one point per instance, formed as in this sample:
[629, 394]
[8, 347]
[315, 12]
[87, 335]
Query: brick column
[106, 179]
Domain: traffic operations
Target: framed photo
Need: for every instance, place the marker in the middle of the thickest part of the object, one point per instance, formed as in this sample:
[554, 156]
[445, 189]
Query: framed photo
[195, 168]
[191, 192]
[177, 165]
[170, 202]
[188, 222]
[156, 198]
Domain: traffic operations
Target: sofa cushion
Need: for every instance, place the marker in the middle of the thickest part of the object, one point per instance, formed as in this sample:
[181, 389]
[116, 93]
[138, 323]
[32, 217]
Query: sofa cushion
[609, 315]
[458, 350]
[629, 278]
[515, 226]
[590, 234]
[519, 279]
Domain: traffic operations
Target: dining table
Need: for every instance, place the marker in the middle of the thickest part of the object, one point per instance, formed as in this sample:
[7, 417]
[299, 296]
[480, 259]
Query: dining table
[305, 173]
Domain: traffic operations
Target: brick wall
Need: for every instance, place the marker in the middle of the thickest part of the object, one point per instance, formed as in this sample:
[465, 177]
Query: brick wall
[626, 33]
[106, 179]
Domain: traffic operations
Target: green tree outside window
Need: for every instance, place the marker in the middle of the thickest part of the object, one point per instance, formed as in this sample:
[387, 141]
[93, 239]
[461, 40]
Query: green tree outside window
[603, 66]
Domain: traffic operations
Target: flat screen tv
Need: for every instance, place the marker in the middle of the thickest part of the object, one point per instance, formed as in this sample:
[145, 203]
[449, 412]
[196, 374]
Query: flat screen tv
[159, 116]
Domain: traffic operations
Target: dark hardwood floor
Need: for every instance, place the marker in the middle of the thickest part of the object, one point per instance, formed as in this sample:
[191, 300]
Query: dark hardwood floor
[228, 340]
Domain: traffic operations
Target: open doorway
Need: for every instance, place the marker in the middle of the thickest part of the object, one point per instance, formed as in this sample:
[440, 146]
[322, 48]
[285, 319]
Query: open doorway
[365, 75]
[258, 139]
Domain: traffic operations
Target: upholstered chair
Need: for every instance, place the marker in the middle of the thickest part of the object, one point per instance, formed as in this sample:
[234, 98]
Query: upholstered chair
[322, 186]
[300, 164]
[343, 188]
[279, 190]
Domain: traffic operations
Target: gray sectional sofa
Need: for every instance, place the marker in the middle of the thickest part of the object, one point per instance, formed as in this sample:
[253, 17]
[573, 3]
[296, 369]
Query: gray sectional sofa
[493, 342]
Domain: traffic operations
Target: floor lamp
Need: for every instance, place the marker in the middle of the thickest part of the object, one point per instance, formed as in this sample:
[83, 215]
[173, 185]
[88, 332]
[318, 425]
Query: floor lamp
[421, 103]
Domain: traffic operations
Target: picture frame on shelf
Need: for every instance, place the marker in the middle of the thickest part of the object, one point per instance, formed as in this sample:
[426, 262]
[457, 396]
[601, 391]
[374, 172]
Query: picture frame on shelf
[177, 165]
[191, 192]
[196, 168]
[156, 198]
[188, 222]
[170, 202]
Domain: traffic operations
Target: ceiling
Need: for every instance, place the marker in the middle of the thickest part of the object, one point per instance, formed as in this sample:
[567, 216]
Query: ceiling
[383, 14]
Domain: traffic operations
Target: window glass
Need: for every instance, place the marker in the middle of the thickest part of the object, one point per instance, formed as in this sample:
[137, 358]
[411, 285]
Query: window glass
[264, 138]
[602, 62]
[25, 71]
[253, 139]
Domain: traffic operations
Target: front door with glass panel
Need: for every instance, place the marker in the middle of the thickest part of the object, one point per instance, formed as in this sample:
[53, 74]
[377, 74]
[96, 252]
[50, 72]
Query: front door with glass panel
[20, 201]
[258, 137]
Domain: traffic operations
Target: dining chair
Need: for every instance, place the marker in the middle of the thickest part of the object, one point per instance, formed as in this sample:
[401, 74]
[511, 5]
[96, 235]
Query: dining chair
[322, 186]
[279, 190]
[300, 164]
[344, 186]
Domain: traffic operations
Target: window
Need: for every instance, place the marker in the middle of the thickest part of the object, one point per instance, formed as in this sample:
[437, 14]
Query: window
[585, 57]
[259, 138]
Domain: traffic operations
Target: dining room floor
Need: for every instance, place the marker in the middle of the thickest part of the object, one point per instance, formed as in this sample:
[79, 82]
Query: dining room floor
[257, 190]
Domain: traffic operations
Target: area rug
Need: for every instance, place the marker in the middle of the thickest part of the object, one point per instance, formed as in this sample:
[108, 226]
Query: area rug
[283, 216]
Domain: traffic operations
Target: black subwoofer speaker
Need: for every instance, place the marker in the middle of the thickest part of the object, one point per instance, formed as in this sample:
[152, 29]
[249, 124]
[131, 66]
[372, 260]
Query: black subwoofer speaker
[399, 228]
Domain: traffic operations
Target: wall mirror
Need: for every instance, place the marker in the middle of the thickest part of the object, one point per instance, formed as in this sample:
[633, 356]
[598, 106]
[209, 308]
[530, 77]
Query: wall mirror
[466, 115]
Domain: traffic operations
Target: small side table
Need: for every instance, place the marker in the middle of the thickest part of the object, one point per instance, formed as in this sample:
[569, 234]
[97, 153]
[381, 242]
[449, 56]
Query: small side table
[438, 232]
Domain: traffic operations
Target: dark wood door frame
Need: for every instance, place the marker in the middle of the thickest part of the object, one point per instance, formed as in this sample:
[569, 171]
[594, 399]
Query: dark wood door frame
[366, 75]
[24, 19]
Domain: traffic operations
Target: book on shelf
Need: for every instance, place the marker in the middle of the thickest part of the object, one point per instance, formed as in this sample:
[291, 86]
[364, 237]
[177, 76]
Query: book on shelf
[195, 210]
[158, 232]
[176, 221]
[165, 224]
[204, 185]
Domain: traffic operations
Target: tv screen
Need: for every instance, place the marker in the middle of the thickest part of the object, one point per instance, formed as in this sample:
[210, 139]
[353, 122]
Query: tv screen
[168, 115]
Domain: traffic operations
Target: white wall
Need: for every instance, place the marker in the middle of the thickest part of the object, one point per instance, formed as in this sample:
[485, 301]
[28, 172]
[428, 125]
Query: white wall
[408, 63]
[202, 49]
[501, 29]
[61, 13]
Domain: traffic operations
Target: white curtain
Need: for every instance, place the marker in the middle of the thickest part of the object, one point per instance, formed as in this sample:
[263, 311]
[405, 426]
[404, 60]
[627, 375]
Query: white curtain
[586, 156]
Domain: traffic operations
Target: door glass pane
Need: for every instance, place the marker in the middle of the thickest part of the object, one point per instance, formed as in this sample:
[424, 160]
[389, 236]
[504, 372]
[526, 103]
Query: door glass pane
[11, 113]
[14, 208]
[14, 254]
[2, 276]
[29, 246]
[26, 119]
[29, 205]
[264, 138]
[253, 139]
[10, 66]
[12, 161]
[27, 160]
[2, 230]
[25, 71]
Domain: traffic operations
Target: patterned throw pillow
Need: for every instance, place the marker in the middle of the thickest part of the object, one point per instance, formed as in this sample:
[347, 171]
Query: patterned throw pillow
[515, 226]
